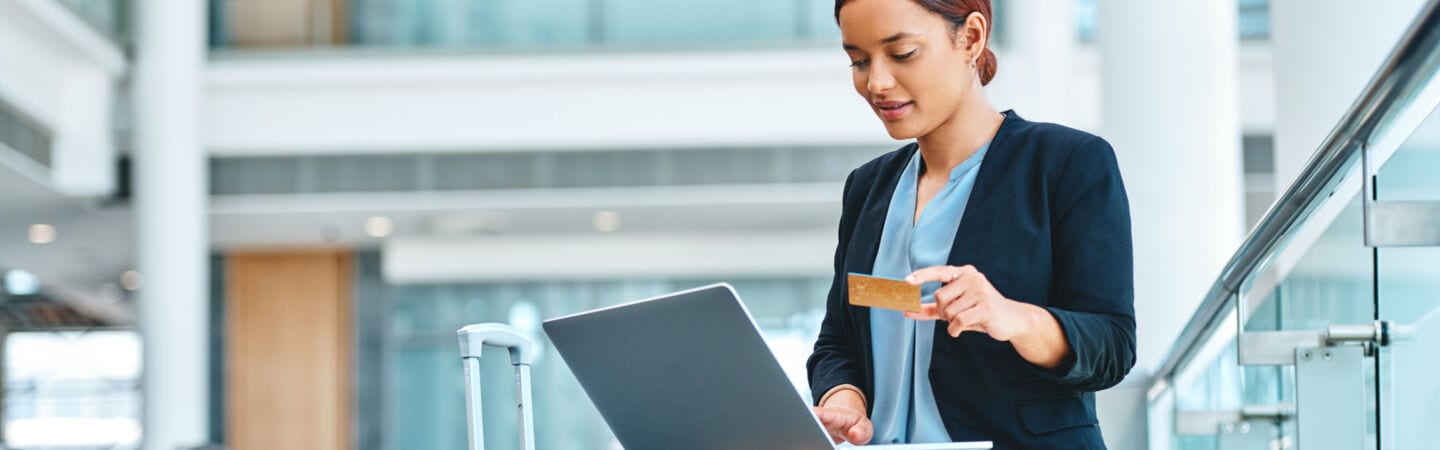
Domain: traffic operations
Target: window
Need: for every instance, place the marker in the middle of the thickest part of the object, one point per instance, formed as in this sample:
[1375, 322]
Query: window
[60, 382]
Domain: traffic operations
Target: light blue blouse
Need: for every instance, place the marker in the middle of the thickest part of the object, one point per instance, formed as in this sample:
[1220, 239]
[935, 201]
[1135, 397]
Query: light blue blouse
[903, 403]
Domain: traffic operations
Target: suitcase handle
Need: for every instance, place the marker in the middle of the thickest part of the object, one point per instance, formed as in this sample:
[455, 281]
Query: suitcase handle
[473, 339]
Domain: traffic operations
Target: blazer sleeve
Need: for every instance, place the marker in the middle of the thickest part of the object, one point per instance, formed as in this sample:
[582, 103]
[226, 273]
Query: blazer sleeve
[1093, 284]
[835, 359]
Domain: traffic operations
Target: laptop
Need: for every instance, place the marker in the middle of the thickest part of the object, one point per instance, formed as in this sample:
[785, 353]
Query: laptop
[690, 370]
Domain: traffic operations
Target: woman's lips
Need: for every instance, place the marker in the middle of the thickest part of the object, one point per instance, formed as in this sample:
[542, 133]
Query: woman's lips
[893, 110]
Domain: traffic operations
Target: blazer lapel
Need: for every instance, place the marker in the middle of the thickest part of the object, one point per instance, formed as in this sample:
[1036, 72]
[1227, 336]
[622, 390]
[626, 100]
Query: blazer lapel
[865, 241]
[997, 163]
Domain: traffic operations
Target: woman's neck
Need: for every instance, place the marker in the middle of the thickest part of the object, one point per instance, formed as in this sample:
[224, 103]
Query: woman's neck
[948, 145]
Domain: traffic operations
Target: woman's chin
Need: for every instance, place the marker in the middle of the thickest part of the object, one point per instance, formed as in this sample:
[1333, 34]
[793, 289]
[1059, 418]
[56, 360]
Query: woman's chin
[901, 132]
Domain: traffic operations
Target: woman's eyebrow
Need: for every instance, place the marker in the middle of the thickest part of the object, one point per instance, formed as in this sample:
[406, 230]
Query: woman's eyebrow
[896, 37]
[892, 38]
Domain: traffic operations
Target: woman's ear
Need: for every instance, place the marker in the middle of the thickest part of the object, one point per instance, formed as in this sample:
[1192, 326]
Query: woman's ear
[973, 34]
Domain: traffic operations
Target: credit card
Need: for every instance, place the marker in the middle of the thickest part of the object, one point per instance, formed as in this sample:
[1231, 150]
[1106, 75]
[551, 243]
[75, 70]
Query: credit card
[876, 292]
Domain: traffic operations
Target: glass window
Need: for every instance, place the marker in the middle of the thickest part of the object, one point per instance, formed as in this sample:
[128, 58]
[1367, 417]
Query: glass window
[59, 382]
[426, 383]
[447, 23]
[106, 16]
[699, 21]
[522, 24]
[1253, 20]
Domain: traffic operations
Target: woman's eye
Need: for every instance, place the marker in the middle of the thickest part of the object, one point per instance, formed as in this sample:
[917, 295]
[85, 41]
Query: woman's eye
[859, 63]
[904, 56]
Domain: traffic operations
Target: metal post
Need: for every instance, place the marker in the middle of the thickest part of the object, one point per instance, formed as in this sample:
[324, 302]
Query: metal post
[1330, 367]
[1367, 196]
[1395, 223]
[473, 411]
[524, 408]
[1248, 435]
[1330, 397]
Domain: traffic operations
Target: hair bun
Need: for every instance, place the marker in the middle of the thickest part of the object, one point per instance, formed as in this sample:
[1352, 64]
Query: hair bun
[986, 66]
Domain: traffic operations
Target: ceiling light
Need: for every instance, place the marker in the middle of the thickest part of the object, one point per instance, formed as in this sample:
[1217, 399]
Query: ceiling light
[379, 226]
[131, 280]
[19, 282]
[607, 221]
[41, 233]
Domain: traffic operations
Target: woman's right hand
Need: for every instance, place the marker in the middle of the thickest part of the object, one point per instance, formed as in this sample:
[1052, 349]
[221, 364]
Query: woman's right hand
[843, 416]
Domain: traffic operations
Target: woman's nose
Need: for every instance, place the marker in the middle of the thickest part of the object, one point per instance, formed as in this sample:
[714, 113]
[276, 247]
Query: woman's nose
[880, 79]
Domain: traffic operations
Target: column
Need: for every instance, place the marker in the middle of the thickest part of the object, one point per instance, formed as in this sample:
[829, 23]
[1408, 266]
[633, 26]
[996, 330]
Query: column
[1039, 45]
[1170, 98]
[170, 217]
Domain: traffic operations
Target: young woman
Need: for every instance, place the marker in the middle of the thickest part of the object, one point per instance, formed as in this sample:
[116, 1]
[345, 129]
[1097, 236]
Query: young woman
[1017, 232]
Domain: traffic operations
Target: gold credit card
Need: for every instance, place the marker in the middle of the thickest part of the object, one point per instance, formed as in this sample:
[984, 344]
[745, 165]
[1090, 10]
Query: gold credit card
[886, 293]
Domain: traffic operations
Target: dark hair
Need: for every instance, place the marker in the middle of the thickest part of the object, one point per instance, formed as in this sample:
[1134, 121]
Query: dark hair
[955, 12]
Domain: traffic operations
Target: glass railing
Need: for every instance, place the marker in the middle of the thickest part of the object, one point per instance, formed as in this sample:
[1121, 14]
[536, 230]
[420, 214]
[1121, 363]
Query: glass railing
[1407, 289]
[538, 25]
[520, 25]
[1323, 330]
[109, 17]
[24, 135]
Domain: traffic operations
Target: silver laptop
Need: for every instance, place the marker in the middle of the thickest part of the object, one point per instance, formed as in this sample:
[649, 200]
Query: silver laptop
[690, 370]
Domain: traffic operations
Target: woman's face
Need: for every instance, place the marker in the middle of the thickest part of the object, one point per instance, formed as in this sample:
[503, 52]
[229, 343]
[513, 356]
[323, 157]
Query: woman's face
[910, 65]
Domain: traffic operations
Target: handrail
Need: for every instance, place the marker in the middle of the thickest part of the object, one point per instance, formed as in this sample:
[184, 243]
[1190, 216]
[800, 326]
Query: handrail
[1403, 75]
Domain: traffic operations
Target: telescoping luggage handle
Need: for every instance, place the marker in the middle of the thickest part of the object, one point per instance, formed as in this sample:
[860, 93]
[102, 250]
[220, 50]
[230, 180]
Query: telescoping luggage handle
[473, 338]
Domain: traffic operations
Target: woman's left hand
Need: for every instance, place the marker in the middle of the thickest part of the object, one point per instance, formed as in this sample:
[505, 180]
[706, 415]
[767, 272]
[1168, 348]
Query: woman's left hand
[970, 303]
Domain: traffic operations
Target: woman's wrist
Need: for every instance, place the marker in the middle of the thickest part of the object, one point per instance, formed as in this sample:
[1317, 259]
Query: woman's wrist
[1041, 342]
[844, 396]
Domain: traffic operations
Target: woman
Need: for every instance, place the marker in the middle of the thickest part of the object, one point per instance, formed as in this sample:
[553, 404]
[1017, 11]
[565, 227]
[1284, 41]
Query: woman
[1017, 232]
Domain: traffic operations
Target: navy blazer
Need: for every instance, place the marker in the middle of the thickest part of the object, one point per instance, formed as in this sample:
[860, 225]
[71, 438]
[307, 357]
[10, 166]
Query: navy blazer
[1047, 223]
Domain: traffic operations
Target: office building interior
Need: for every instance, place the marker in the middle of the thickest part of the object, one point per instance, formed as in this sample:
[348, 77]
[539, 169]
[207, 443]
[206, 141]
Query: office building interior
[258, 224]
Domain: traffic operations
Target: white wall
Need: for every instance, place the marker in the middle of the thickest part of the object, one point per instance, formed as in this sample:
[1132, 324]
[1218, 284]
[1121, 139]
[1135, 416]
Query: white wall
[1325, 54]
[510, 102]
[1122, 410]
[63, 74]
[329, 103]
[667, 255]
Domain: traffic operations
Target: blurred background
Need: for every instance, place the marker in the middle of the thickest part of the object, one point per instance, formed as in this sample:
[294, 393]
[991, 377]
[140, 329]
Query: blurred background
[257, 224]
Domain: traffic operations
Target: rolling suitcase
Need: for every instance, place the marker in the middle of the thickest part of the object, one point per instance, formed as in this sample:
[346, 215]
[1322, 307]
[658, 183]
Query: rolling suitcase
[473, 338]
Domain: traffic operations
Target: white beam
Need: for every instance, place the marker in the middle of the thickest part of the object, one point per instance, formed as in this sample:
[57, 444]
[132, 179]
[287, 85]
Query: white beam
[600, 256]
